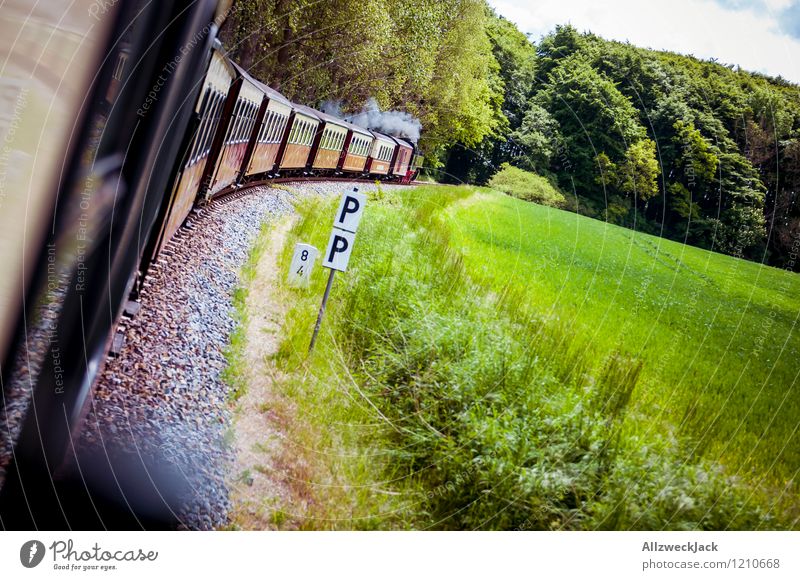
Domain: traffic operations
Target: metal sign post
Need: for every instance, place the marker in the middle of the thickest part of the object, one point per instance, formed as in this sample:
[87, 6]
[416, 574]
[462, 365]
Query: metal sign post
[340, 246]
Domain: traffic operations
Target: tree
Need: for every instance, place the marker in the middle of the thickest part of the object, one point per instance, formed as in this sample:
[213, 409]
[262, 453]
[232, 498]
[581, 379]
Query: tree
[535, 141]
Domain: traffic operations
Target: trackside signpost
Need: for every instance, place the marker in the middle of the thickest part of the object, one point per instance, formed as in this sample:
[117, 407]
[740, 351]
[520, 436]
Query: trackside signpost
[340, 246]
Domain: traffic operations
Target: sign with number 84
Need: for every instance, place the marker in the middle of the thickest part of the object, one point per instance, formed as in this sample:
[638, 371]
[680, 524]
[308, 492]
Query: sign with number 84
[303, 261]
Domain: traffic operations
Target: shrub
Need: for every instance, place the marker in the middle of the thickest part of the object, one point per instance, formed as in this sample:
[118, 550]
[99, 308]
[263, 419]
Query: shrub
[527, 186]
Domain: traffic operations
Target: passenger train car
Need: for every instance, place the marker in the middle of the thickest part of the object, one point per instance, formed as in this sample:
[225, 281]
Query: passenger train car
[127, 118]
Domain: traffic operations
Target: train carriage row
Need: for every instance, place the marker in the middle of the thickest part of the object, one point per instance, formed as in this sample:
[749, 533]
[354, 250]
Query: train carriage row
[247, 131]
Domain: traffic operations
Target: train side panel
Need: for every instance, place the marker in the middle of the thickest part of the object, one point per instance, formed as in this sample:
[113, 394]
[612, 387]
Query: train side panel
[401, 158]
[240, 129]
[209, 111]
[298, 142]
[268, 141]
[330, 147]
[380, 155]
[357, 151]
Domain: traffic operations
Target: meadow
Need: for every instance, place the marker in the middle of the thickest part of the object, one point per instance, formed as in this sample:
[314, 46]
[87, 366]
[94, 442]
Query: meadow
[489, 363]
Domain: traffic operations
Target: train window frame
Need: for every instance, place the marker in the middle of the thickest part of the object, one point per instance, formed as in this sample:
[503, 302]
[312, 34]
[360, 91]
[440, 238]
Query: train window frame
[274, 129]
[208, 128]
[279, 120]
[250, 122]
[214, 125]
[271, 130]
[232, 124]
[265, 127]
[202, 114]
[245, 121]
[206, 121]
[268, 126]
[279, 135]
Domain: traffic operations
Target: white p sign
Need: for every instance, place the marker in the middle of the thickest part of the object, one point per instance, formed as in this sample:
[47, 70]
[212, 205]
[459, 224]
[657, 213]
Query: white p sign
[350, 209]
[339, 248]
[302, 264]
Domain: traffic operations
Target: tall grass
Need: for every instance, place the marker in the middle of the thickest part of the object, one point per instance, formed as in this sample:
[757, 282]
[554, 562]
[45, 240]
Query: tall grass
[447, 399]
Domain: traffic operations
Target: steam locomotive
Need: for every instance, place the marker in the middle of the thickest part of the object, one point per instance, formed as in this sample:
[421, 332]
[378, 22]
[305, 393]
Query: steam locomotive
[119, 117]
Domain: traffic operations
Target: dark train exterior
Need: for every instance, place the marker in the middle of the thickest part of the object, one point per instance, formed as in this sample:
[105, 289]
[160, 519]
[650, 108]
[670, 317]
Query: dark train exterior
[113, 135]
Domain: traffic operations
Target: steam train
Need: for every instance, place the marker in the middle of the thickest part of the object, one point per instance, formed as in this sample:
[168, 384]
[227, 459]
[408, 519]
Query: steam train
[117, 119]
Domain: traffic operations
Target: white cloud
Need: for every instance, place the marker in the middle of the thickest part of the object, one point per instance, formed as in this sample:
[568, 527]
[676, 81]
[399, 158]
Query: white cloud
[744, 33]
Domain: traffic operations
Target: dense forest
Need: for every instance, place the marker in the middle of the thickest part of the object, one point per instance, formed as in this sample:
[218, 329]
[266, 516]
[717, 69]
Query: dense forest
[696, 151]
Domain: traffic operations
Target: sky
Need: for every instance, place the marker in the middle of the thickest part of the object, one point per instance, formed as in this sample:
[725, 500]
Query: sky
[757, 35]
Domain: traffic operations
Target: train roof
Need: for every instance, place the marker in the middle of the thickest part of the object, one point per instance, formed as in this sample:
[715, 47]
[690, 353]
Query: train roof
[308, 111]
[384, 137]
[269, 91]
[402, 142]
[328, 118]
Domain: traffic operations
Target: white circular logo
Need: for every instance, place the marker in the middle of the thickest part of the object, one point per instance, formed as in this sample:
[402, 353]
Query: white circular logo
[31, 553]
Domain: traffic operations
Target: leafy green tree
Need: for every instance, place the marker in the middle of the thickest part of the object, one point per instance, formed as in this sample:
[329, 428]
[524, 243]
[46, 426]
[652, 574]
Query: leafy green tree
[536, 140]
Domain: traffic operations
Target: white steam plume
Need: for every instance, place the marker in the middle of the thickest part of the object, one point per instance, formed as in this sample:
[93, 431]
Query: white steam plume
[397, 123]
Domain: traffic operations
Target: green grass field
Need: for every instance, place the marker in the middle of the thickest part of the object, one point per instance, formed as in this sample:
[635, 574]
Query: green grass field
[717, 336]
[491, 363]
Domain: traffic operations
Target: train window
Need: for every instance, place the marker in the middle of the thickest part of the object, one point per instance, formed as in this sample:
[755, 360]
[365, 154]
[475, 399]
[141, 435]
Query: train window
[119, 68]
[203, 114]
[245, 120]
[245, 132]
[250, 122]
[207, 127]
[273, 125]
[206, 109]
[276, 124]
[282, 129]
[212, 127]
[261, 127]
[232, 124]
[237, 122]
[267, 126]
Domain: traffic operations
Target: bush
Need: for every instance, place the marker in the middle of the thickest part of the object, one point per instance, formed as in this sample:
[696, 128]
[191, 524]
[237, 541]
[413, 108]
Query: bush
[527, 186]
